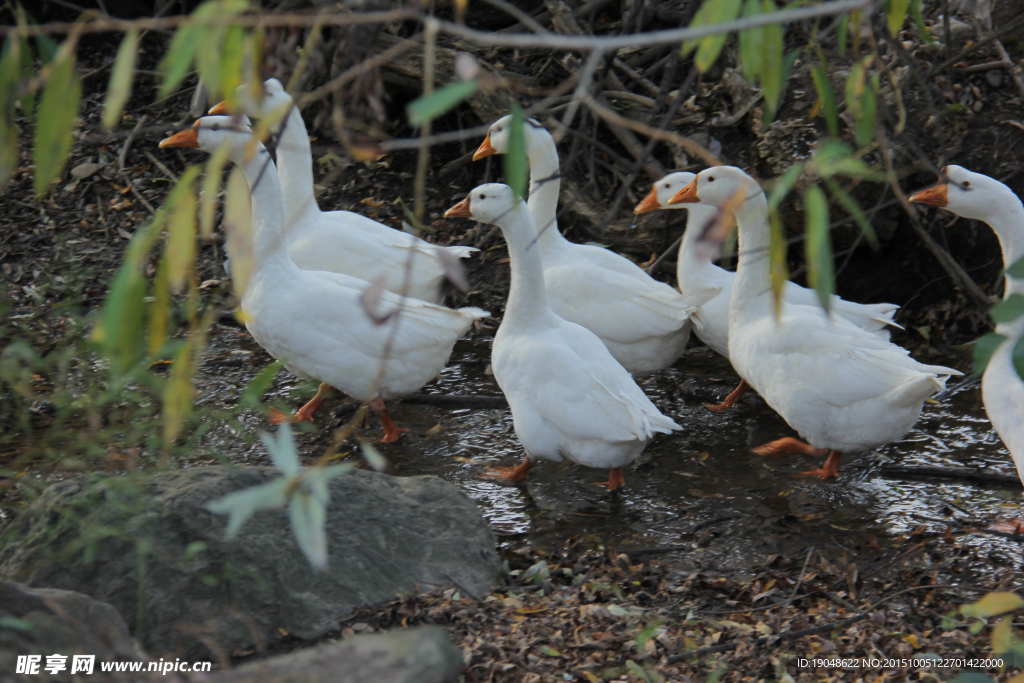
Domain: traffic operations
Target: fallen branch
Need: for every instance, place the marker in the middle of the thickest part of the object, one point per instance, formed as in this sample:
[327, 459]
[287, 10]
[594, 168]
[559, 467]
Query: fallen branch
[458, 400]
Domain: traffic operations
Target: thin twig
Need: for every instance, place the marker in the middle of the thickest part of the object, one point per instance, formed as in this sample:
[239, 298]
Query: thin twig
[420, 182]
[792, 595]
[689, 145]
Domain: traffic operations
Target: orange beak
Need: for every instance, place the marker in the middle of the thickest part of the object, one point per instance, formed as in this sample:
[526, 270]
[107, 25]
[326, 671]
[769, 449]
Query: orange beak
[460, 210]
[220, 109]
[484, 150]
[933, 196]
[649, 203]
[687, 195]
[186, 138]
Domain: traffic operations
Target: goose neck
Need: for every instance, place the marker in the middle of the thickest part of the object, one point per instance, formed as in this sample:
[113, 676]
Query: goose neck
[527, 297]
[295, 161]
[690, 263]
[545, 184]
[752, 291]
[1007, 221]
[267, 206]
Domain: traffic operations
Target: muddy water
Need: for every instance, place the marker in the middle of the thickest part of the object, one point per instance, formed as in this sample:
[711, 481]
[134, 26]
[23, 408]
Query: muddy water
[700, 492]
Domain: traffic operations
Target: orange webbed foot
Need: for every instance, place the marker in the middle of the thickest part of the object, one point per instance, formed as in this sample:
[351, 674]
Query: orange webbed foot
[512, 474]
[392, 433]
[615, 480]
[731, 400]
[787, 445]
[830, 470]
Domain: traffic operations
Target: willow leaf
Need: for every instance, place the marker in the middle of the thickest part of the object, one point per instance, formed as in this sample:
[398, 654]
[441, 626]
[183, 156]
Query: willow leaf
[58, 109]
[709, 47]
[516, 164]
[896, 14]
[121, 79]
[441, 101]
[820, 269]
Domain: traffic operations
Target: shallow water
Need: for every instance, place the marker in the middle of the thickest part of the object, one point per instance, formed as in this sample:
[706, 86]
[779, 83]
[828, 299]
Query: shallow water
[700, 491]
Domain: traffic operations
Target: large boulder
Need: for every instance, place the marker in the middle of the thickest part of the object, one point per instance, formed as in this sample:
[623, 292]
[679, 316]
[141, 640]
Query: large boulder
[202, 595]
[44, 621]
[416, 655]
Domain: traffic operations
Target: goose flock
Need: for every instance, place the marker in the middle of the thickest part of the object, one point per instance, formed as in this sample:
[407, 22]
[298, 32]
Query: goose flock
[343, 299]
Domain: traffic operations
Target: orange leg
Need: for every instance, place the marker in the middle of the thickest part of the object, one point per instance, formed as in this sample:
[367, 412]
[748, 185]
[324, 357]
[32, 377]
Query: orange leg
[517, 473]
[830, 470]
[305, 412]
[730, 400]
[391, 432]
[788, 445]
[615, 479]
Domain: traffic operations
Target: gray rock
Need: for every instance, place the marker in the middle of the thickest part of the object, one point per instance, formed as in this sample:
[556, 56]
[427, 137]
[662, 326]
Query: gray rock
[416, 655]
[202, 594]
[46, 621]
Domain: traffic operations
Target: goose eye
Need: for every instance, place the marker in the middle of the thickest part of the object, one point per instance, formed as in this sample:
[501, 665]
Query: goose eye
[483, 196]
[967, 183]
[711, 178]
[667, 186]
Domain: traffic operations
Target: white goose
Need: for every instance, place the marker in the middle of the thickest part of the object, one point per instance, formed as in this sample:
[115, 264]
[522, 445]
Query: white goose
[570, 398]
[644, 323]
[694, 272]
[314, 321]
[840, 387]
[341, 241]
[973, 195]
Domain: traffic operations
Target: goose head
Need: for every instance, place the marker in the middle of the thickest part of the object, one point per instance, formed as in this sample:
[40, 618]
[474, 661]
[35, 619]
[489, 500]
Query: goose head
[967, 194]
[498, 135]
[210, 132]
[662, 191]
[487, 203]
[716, 186]
[275, 98]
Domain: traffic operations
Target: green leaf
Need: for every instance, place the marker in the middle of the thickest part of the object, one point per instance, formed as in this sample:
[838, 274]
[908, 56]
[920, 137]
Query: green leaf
[282, 450]
[827, 95]
[238, 229]
[210, 187]
[55, 124]
[784, 184]
[232, 58]
[896, 14]
[241, 505]
[984, 347]
[517, 166]
[440, 102]
[710, 13]
[1002, 636]
[10, 86]
[1008, 310]
[259, 384]
[119, 330]
[915, 12]
[773, 77]
[181, 235]
[178, 58]
[861, 100]
[818, 250]
[992, 605]
[853, 208]
[777, 252]
[16, 624]
[751, 43]
[841, 33]
[1016, 269]
[201, 43]
[159, 310]
[121, 79]
[178, 392]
